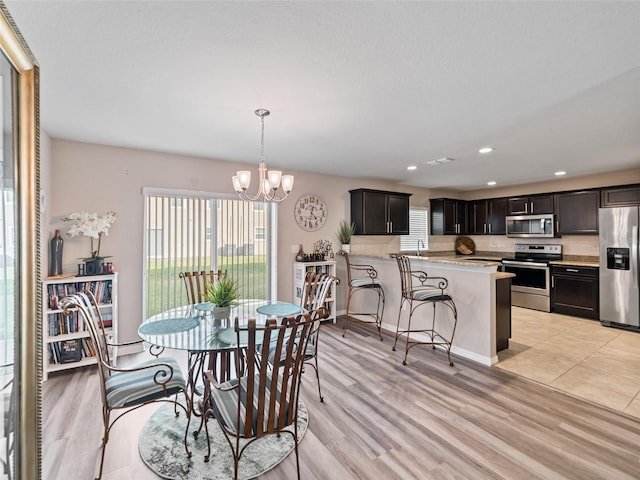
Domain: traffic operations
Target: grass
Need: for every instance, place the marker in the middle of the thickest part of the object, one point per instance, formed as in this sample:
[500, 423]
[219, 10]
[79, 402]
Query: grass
[166, 290]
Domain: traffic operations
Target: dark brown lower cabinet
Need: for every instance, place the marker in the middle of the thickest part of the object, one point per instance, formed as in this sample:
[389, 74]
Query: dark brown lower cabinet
[503, 313]
[575, 291]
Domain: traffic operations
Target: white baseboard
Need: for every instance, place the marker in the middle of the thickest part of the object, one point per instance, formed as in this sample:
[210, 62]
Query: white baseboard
[460, 352]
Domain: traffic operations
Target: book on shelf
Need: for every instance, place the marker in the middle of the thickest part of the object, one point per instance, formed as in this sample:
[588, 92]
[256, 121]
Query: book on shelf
[107, 319]
[101, 289]
[70, 351]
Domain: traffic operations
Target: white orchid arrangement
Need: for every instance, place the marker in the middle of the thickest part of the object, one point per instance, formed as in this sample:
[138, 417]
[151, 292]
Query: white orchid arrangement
[90, 225]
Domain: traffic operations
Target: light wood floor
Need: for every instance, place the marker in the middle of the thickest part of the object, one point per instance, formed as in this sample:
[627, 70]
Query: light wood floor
[383, 420]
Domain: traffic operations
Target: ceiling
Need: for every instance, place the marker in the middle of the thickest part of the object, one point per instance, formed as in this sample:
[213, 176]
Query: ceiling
[358, 89]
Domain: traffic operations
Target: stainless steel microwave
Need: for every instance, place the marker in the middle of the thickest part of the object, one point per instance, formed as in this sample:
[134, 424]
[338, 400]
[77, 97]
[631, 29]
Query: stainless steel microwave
[531, 226]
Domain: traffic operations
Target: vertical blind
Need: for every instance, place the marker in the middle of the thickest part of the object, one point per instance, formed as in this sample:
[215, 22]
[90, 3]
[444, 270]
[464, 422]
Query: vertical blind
[199, 233]
[418, 230]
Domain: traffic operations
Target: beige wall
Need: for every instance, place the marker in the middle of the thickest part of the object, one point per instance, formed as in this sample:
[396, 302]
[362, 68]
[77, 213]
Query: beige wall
[99, 178]
[79, 176]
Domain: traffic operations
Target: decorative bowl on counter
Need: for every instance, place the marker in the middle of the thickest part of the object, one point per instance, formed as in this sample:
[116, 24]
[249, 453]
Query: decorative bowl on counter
[465, 246]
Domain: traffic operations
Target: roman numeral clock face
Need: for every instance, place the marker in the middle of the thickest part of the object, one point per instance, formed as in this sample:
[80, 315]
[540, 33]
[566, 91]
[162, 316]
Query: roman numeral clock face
[310, 212]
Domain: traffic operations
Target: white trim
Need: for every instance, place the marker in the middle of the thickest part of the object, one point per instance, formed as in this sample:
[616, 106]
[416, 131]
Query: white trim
[457, 351]
[170, 192]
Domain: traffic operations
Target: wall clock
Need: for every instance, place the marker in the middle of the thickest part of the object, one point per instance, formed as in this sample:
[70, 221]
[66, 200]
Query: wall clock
[310, 212]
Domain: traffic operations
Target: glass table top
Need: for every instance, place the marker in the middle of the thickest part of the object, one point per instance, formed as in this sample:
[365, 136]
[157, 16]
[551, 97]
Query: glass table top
[192, 327]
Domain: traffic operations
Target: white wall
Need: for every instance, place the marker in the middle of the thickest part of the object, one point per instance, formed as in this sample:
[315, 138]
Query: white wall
[100, 178]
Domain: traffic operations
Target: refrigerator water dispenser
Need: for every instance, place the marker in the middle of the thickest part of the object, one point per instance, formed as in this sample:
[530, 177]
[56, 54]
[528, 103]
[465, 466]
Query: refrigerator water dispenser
[618, 258]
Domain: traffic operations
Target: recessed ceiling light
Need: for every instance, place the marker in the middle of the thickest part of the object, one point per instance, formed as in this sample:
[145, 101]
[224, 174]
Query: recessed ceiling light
[561, 173]
[486, 150]
[491, 183]
[412, 167]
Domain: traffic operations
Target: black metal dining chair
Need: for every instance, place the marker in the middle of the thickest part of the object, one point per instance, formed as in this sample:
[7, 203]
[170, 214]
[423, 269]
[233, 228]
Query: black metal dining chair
[264, 401]
[317, 289]
[126, 389]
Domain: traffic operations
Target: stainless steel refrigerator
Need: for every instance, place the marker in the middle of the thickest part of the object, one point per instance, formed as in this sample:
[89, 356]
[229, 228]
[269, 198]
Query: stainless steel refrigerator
[619, 297]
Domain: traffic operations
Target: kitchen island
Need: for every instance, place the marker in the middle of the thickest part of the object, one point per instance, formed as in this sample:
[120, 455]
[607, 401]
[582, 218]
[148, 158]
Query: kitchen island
[473, 286]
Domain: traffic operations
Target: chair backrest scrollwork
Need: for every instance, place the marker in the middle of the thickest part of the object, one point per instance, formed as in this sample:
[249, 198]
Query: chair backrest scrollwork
[197, 283]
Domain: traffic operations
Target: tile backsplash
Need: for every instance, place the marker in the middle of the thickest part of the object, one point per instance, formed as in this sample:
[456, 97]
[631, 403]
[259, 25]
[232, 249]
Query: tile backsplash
[580, 245]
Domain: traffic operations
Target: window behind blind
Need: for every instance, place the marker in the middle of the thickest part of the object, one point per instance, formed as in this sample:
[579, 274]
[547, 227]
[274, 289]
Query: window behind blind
[418, 230]
[188, 233]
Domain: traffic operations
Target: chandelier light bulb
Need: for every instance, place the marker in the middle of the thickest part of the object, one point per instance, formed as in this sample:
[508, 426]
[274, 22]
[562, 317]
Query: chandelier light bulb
[274, 178]
[287, 183]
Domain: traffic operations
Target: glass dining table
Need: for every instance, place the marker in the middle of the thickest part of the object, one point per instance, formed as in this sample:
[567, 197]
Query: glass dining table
[212, 343]
[193, 328]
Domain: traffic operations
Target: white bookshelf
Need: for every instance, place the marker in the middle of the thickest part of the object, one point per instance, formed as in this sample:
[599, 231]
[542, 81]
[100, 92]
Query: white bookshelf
[300, 270]
[58, 328]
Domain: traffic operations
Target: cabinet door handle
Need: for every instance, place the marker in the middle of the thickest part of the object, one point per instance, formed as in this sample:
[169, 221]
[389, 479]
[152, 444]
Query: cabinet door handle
[553, 281]
[572, 270]
[484, 228]
[531, 207]
[526, 207]
[489, 228]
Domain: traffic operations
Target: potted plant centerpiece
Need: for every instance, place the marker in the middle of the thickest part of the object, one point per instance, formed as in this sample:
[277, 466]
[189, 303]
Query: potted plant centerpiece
[345, 231]
[223, 293]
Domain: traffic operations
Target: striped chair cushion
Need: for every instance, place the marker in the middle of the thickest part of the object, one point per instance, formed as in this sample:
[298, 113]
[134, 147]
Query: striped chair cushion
[364, 282]
[126, 389]
[309, 353]
[429, 295]
[225, 404]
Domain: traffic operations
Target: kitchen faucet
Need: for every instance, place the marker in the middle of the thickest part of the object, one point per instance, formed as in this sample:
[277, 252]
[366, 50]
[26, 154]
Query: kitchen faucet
[420, 241]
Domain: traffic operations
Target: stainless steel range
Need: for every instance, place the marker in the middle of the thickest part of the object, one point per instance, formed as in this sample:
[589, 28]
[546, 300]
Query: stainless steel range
[531, 287]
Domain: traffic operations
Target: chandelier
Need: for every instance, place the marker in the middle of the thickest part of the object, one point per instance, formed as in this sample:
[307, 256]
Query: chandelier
[270, 180]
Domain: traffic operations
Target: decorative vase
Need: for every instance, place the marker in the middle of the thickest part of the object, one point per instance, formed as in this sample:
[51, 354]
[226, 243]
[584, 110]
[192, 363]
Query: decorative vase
[300, 254]
[55, 255]
[221, 313]
[94, 266]
[346, 247]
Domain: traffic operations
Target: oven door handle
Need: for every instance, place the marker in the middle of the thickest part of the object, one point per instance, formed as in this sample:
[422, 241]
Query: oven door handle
[516, 263]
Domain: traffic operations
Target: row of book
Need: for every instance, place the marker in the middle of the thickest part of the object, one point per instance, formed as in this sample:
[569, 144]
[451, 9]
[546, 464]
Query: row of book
[61, 324]
[101, 289]
[69, 351]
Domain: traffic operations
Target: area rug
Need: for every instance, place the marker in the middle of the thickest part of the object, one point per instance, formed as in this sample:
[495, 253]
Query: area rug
[161, 448]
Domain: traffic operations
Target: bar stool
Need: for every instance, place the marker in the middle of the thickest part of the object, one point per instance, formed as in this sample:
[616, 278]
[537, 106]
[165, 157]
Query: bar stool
[363, 278]
[429, 290]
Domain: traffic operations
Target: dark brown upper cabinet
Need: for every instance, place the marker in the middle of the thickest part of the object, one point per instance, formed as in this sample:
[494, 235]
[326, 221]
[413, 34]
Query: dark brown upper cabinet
[448, 216]
[486, 217]
[377, 212]
[577, 212]
[625, 196]
[530, 205]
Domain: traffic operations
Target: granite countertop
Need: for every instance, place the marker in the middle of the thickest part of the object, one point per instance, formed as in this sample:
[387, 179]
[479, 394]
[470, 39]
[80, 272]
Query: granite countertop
[485, 259]
[503, 275]
[445, 258]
